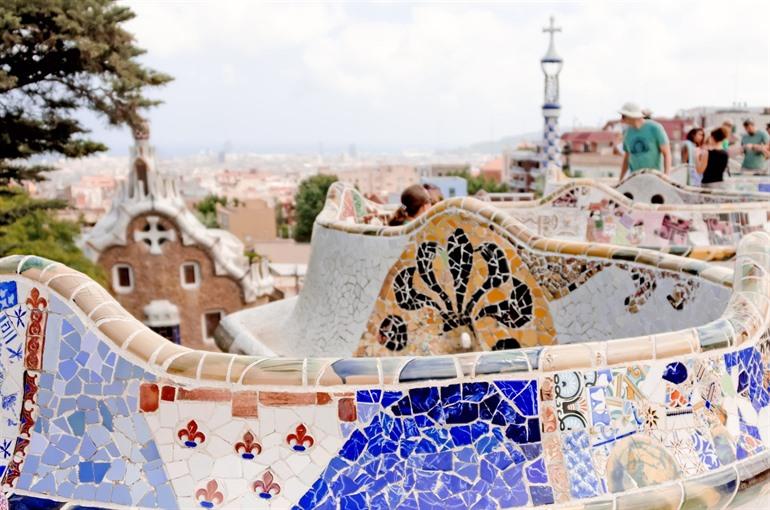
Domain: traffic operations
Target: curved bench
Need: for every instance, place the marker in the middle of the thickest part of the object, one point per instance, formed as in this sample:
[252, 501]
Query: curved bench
[585, 209]
[652, 187]
[108, 413]
[423, 287]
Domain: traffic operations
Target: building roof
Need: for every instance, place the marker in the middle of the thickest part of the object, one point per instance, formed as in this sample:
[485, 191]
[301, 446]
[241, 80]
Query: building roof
[593, 136]
[162, 196]
[284, 251]
[493, 165]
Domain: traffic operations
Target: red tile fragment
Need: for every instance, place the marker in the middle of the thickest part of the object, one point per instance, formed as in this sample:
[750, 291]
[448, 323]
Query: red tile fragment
[245, 404]
[204, 394]
[168, 393]
[323, 398]
[346, 409]
[148, 397]
[280, 398]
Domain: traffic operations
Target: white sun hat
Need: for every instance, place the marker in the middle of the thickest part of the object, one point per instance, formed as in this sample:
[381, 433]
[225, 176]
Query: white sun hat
[631, 110]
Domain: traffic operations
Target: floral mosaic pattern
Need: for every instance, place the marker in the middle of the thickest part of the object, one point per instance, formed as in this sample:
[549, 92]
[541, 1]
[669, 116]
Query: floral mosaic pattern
[455, 281]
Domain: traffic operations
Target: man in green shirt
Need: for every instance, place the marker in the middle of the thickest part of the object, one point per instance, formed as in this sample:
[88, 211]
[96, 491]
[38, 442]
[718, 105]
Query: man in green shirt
[755, 148]
[645, 142]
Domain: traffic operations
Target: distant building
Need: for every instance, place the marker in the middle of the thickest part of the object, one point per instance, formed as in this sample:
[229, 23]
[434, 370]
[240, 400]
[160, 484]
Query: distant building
[713, 116]
[521, 169]
[381, 181]
[253, 184]
[250, 220]
[165, 267]
[493, 170]
[450, 186]
[596, 141]
[288, 263]
[442, 169]
[91, 196]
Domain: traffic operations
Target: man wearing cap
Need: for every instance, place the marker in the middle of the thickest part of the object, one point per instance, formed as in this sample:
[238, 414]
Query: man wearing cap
[754, 143]
[644, 142]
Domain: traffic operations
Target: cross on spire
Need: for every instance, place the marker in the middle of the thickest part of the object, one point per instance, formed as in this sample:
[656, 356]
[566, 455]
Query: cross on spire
[552, 28]
[551, 55]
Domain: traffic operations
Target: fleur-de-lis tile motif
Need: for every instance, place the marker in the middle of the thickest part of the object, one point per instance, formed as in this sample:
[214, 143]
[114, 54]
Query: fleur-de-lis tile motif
[266, 487]
[190, 435]
[457, 309]
[209, 496]
[249, 447]
[300, 440]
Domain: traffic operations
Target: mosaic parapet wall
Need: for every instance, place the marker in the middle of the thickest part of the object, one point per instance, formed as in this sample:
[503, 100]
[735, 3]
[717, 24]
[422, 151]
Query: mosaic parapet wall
[653, 187]
[100, 411]
[465, 283]
[467, 276]
[587, 210]
[672, 188]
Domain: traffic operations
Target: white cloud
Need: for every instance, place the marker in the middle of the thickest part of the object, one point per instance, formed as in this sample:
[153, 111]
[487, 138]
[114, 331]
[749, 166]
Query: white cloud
[174, 28]
[299, 73]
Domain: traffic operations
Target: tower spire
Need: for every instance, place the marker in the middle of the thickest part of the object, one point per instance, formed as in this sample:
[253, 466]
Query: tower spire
[142, 162]
[551, 64]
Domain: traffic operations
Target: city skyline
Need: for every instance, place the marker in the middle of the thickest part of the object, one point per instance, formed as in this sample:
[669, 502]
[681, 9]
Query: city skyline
[320, 77]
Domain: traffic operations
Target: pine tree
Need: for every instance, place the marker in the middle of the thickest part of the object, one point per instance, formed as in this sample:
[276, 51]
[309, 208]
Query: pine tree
[58, 57]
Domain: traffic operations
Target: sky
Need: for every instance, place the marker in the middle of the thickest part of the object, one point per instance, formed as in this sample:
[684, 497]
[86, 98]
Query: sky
[301, 77]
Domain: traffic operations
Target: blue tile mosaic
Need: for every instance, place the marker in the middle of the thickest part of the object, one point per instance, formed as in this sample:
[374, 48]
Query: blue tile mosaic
[424, 447]
[83, 400]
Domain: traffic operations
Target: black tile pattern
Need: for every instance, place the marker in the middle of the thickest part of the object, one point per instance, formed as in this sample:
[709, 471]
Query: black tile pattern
[454, 307]
[558, 275]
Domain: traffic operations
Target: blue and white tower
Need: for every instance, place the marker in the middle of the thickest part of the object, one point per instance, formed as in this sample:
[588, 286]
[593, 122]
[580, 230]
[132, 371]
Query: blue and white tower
[551, 64]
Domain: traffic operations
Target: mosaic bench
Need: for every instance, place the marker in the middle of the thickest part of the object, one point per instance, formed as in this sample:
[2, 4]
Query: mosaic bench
[100, 412]
[466, 276]
[736, 183]
[583, 209]
[653, 187]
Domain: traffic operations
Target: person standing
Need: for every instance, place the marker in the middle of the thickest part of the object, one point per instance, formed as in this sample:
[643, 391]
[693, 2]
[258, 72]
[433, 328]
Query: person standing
[712, 163]
[755, 150]
[690, 150]
[645, 142]
[729, 130]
